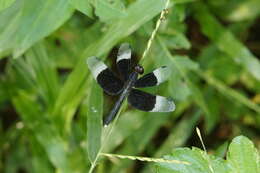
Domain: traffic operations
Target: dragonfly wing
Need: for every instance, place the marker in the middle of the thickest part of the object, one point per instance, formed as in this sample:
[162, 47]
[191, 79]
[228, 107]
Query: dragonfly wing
[111, 84]
[124, 60]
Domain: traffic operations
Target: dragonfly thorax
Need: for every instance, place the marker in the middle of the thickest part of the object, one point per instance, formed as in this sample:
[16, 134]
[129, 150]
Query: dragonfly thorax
[139, 69]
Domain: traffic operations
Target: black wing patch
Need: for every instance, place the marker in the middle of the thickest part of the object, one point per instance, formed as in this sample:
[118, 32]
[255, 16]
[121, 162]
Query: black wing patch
[156, 77]
[104, 76]
[124, 60]
[147, 80]
[148, 102]
[141, 100]
[109, 82]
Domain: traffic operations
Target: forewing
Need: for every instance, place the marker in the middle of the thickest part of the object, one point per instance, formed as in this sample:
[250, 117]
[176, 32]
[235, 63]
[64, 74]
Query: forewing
[156, 77]
[124, 60]
[104, 76]
[150, 103]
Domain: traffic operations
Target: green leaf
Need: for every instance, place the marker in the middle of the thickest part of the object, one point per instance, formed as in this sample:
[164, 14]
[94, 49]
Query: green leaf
[226, 41]
[83, 6]
[94, 120]
[5, 4]
[185, 62]
[106, 11]
[243, 156]
[27, 24]
[176, 41]
[199, 162]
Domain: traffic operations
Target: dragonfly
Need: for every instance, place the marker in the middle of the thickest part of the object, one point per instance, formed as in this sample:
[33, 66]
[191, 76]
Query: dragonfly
[127, 83]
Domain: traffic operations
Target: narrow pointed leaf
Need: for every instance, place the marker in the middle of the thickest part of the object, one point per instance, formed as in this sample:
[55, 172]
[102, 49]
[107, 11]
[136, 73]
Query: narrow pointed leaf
[94, 120]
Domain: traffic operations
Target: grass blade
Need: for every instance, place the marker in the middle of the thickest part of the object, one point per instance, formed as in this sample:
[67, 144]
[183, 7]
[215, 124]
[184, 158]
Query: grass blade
[94, 121]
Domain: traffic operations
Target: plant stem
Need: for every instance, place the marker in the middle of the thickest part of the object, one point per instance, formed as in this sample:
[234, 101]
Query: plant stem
[158, 23]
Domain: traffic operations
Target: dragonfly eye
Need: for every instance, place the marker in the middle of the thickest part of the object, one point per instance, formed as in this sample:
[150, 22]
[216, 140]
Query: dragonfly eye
[139, 69]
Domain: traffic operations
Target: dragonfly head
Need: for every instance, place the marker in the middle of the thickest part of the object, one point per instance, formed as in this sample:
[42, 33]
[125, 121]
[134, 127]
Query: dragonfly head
[139, 69]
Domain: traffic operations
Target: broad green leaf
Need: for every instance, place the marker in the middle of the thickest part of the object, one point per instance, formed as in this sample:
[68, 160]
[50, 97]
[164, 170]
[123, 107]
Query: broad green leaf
[5, 3]
[199, 162]
[226, 41]
[94, 120]
[30, 23]
[242, 156]
[83, 6]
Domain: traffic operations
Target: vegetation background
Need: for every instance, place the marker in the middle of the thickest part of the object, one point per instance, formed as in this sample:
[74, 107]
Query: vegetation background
[51, 108]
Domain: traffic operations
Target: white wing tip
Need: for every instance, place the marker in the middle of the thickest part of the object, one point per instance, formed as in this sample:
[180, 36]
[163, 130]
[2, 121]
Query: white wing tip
[91, 61]
[124, 52]
[95, 65]
[163, 104]
[162, 74]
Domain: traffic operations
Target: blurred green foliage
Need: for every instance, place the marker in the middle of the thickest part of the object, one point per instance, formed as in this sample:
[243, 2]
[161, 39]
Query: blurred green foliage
[51, 108]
